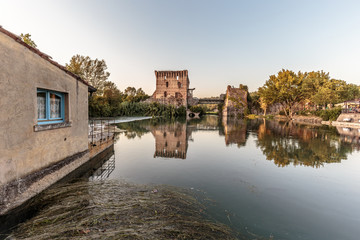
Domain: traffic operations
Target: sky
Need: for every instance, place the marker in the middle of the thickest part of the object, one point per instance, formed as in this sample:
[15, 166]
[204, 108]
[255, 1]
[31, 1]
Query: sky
[220, 42]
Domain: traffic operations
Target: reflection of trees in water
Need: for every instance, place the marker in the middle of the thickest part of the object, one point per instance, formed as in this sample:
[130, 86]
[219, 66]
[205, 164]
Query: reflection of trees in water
[133, 129]
[287, 143]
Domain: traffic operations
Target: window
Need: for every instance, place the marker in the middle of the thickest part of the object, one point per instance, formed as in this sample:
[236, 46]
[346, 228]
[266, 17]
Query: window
[177, 77]
[165, 94]
[179, 85]
[167, 84]
[50, 107]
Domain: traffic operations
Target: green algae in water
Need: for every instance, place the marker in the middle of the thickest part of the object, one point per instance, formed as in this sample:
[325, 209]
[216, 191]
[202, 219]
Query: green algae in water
[119, 210]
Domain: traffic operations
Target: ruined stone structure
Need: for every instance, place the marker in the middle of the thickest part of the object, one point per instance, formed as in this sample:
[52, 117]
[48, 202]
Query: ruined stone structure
[235, 101]
[172, 87]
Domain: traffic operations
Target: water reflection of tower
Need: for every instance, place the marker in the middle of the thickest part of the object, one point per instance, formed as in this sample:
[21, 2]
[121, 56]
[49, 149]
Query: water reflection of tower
[171, 141]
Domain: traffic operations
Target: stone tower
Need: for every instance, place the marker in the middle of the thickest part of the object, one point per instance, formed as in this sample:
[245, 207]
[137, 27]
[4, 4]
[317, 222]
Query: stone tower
[172, 87]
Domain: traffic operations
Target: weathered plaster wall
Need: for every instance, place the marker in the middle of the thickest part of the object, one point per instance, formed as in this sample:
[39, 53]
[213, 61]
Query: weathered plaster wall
[24, 151]
[175, 84]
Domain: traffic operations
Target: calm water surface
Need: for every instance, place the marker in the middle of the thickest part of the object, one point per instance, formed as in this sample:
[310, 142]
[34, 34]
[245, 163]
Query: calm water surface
[274, 179]
[266, 178]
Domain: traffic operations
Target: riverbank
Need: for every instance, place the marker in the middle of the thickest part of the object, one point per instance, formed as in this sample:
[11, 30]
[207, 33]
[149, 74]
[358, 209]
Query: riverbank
[341, 124]
[117, 210]
[314, 120]
[17, 194]
[311, 120]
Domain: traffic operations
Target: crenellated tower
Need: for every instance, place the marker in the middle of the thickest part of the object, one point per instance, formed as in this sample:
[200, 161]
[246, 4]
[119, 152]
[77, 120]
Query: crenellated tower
[172, 87]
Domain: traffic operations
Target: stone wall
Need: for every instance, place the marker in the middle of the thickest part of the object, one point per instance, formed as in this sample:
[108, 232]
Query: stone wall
[349, 117]
[27, 153]
[235, 101]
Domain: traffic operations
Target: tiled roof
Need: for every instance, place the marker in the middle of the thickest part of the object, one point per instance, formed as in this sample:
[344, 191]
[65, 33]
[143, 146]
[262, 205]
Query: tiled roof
[44, 56]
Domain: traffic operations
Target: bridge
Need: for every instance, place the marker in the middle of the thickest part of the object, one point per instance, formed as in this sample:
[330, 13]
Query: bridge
[210, 100]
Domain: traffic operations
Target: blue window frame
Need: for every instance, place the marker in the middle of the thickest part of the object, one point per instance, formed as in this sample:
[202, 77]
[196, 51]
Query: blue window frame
[50, 107]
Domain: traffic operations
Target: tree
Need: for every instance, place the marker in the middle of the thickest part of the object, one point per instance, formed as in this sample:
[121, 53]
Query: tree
[264, 105]
[141, 95]
[111, 90]
[254, 102]
[130, 93]
[92, 71]
[313, 82]
[27, 39]
[290, 89]
[348, 92]
[135, 95]
[285, 89]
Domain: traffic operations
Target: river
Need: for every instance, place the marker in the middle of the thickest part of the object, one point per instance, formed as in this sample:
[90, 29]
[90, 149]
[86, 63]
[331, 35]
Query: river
[262, 179]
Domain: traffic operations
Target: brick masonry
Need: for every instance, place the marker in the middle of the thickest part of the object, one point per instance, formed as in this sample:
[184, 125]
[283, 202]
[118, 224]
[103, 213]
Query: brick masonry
[172, 87]
[235, 101]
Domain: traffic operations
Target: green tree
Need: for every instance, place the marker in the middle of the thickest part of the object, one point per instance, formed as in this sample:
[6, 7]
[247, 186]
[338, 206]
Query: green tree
[284, 88]
[130, 93]
[111, 90]
[313, 82]
[348, 91]
[254, 102]
[27, 39]
[141, 95]
[92, 71]
[135, 95]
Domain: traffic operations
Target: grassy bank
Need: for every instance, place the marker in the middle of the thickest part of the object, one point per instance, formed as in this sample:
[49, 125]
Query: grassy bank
[118, 210]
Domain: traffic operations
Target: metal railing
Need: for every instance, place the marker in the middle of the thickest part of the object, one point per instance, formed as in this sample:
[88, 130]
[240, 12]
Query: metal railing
[100, 130]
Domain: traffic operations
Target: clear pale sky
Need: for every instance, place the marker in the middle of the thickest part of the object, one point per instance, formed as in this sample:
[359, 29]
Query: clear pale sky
[220, 42]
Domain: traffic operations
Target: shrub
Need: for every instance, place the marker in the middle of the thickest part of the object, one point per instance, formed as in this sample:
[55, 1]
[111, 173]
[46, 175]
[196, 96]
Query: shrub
[251, 116]
[329, 114]
[303, 112]
[198, 109]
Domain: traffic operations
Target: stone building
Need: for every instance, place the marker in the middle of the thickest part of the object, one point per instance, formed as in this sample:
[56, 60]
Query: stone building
[235, 101]
[43, 121]
[172, 87]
